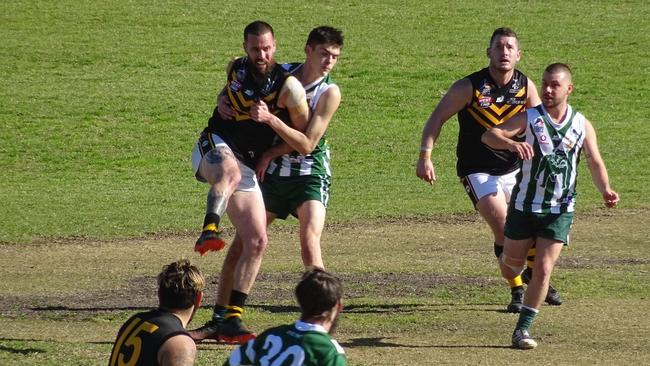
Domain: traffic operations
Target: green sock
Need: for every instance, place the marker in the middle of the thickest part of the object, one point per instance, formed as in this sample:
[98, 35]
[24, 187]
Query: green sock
[526, 317]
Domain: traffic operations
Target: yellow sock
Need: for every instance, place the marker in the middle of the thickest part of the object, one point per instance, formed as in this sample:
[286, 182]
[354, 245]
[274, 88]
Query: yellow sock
[515, 282]
[211, 227]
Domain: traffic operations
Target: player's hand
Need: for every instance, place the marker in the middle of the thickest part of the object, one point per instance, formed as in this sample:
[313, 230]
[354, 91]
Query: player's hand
[523, 150]
[262, 165]
[260, 112]
[611, 198]
[425, 171]
[225, 109]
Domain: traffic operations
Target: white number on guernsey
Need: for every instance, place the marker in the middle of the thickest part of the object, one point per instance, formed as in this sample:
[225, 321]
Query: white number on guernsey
[275, 355]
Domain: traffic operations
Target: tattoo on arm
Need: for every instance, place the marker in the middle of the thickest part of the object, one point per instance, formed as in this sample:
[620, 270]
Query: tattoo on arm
[218, 154]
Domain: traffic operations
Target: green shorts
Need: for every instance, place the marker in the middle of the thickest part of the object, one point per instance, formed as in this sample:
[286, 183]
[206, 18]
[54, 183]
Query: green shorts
[283, 195]
[524, 225]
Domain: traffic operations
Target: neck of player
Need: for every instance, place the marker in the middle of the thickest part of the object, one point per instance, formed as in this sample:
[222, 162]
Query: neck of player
[501, 77]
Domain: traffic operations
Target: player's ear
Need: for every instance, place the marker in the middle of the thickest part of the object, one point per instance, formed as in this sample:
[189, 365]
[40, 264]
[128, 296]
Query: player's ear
[198, 299]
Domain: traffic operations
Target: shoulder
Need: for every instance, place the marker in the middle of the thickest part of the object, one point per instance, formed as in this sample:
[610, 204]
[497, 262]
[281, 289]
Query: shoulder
[292, 85]
[180, 349]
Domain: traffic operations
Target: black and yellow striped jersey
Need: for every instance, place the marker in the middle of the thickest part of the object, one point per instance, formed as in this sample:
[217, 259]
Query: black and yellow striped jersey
[491, 105]
[249, 139]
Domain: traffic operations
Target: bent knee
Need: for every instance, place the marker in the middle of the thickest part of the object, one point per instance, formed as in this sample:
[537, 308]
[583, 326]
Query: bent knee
[517, 265]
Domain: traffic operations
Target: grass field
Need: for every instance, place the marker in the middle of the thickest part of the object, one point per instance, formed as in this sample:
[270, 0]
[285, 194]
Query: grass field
[101, 102]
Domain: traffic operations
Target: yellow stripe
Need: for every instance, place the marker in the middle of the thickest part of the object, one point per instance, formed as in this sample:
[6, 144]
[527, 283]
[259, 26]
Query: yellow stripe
[479, 119]
[512, 113]
[211, 227]
[521, 92]
[233, 311]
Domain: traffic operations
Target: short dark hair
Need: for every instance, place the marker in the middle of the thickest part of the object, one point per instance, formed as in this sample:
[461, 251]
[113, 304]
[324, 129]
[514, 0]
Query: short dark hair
[257, 28]
[558, 67]
[178, 285]
[325, 35]
[317, 293]
[503, 32]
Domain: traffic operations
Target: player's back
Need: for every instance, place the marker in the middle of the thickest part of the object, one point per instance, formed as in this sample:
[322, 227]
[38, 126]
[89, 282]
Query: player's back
[293, 344]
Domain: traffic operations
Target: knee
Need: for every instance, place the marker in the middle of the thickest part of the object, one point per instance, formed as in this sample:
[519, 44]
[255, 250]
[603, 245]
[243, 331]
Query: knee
[542, 272]
[256, 246]
[516, 265]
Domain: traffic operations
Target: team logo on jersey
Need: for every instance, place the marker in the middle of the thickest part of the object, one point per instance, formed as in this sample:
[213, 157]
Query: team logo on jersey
[235, 86]
[485, 102]
[500, 99]
[538, 125]
[485, 88]
[249, 92]
[516, 101]
[515, 86]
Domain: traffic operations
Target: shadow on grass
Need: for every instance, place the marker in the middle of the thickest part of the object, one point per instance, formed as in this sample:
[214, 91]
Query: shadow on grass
[379, 342]
[275, 309]
[36, 350]
[18, 350]
[408, 308]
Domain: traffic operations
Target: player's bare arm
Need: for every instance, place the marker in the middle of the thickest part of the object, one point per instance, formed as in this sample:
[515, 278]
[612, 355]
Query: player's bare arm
[456, 98]
[597, 167]
[500, 137]
[532, 96]
[293, 98]
[179, 350]
[306, 142]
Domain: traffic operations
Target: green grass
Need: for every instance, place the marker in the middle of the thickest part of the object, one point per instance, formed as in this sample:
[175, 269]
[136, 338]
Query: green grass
[413, 299]
[101, 103]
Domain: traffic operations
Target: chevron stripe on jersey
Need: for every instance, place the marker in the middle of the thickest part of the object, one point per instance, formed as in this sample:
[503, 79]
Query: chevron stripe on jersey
[496, 112]
[547, 182]
[316, 163]
[491, 105]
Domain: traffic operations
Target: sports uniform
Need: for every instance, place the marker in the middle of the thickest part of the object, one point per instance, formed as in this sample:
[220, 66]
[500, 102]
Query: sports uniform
[300, 343]
[478, 165]
[140, 338]
[293, 178]
[543, 199]
[246, 138]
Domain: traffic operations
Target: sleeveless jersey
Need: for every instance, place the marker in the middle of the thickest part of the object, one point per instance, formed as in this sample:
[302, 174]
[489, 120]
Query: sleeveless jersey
[140, 338]
[292, 344]
[247, 138]
[547, 182]
[491, 105]
[316, 163]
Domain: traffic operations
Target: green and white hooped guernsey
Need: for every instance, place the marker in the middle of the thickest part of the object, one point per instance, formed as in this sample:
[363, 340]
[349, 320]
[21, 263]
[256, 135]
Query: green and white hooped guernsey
[317, 163]
[547, 182]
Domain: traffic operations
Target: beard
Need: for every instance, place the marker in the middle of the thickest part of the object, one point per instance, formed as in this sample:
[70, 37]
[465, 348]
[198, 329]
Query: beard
[257, 73]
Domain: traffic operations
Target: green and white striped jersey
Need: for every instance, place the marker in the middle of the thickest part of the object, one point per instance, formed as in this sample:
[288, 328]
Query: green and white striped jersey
[317, 163]
[547, 182]
[290, 345]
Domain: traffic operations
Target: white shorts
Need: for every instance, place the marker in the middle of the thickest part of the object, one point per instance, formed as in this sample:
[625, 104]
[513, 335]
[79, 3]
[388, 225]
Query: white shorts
[478, 185]
[248, 182]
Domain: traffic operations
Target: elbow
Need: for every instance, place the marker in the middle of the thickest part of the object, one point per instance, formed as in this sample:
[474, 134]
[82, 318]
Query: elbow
[304, 150]
[307, 147]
